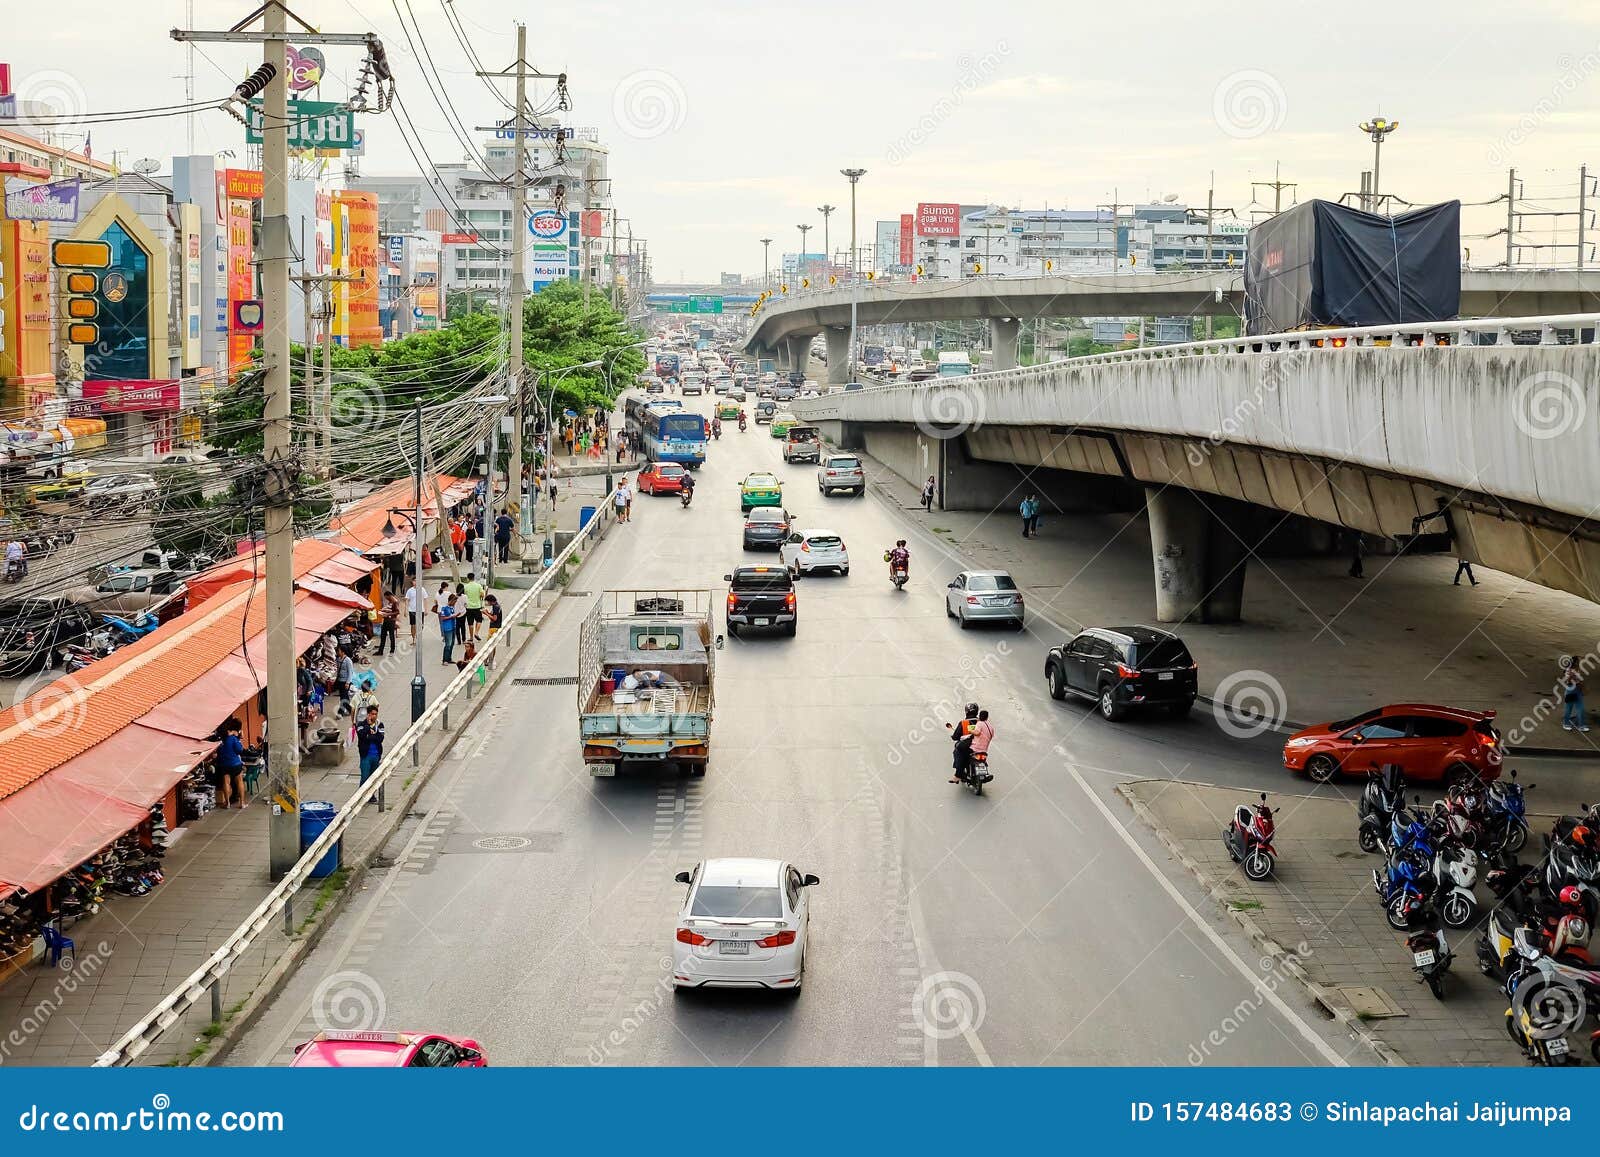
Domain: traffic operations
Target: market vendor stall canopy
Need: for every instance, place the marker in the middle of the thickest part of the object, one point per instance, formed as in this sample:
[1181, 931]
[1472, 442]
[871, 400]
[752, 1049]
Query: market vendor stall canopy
[314, 559]
[361, 526]
[83, 760]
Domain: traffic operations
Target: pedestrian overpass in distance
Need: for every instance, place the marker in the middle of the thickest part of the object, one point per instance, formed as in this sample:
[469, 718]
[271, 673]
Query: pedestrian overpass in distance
[787, 323]
[1496, 444]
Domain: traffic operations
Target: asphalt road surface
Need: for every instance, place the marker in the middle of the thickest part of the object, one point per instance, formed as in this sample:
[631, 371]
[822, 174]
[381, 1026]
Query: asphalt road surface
[533, 907]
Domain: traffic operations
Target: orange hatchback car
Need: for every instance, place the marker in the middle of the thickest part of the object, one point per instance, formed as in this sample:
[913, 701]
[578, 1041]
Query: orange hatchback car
[1426, 741]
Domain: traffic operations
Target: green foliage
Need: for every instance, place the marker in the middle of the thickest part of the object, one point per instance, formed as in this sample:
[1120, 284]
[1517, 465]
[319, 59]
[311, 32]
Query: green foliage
[1082, 345]
[177, 523]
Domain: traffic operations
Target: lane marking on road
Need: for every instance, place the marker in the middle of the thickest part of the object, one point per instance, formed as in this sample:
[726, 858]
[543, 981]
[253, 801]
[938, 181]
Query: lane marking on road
[1325, 1050]
[929, 964]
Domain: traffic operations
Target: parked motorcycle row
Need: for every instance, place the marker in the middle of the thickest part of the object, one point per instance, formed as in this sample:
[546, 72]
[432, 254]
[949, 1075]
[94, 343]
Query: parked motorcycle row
[114, 632]
[1534, 940]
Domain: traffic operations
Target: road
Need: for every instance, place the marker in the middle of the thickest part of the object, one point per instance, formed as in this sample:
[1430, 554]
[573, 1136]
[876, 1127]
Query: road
[1035, 925]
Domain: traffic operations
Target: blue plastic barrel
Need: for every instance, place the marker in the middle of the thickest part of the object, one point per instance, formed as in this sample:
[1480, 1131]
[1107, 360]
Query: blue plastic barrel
[315, 815]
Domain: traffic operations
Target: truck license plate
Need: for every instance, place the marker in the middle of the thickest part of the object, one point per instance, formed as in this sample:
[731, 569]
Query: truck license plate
[1164, 675]
[763, 622]
[602, 769]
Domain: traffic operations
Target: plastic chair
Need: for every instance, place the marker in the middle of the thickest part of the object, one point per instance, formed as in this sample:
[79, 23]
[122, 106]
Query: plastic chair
[252, 776]
[55, 944]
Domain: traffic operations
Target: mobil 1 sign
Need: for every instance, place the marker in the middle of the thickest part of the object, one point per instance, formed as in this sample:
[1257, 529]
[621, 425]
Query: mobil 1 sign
[549, 252]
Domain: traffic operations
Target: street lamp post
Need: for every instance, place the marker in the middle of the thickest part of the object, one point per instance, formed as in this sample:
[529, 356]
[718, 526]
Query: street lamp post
[854, 175]
[827, 253]
[766, 263]
[800, 262]
[1376, 129]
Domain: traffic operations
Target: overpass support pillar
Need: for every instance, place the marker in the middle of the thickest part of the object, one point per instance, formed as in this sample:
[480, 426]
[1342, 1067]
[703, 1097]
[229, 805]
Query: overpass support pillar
[1199, 546]
[799, 353]
[838, 356]
[1005, 334]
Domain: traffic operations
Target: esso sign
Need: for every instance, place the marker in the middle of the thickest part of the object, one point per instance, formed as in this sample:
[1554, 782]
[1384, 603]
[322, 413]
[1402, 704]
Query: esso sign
[547, 224]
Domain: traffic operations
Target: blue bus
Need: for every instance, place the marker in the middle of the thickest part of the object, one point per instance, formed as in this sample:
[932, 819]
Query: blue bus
[671, 434]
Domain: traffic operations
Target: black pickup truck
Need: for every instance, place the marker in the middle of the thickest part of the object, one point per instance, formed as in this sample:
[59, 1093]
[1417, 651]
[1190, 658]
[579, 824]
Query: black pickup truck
[761, 596]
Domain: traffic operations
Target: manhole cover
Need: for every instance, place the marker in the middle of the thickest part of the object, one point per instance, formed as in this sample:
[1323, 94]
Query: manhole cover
[502, 843]
[1370, 1003]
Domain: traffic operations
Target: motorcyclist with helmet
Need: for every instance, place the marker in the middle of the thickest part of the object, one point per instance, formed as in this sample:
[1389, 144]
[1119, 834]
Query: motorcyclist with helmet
[898, 557]
[962, 734]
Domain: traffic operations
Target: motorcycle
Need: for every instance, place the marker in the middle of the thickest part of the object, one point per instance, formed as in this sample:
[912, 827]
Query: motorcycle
[1456, 870]
[1548, 1000]
[1249, 839]
[741, 423]
[16, 570]
[686, 496]
[1405, 888]
[980, 774]
[1430, 959]
[899, 573]
[1505, 823]
[128, 632]
[1384, 795]
[716, 431]
[96, 646]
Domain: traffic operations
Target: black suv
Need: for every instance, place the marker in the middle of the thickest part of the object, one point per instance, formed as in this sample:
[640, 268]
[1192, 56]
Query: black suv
[31, 630]
[1124, 667]
[761, 596]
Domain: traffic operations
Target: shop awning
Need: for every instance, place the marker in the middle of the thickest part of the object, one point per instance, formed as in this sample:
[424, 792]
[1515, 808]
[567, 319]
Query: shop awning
[319, 557]
[360, 526]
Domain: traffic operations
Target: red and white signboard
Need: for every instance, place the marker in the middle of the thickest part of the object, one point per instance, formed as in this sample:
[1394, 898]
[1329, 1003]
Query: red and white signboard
[594, 223]
[458, 239]
[117, 397]
[938, 219]
[908, 225]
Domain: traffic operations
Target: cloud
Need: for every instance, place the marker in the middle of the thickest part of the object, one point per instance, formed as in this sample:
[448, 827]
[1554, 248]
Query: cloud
[916, 54]
[1033, 86]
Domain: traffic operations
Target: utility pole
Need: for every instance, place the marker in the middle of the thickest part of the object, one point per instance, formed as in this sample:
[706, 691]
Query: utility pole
[1583, 211]
[1277, 185]
[270, 82]
[319, 394]
[1511, 214]
[827, 253]
[1211, 208]
[613, 294]
[853, 176]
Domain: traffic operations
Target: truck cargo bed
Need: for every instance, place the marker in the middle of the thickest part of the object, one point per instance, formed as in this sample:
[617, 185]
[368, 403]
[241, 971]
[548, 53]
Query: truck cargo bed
[678, 700]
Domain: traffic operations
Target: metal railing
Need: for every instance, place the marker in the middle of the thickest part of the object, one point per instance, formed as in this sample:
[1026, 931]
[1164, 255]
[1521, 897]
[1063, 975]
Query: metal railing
[206, 980]
[1498, 331]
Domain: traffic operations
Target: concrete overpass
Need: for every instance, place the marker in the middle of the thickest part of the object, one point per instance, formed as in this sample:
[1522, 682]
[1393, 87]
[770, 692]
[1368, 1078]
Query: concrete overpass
[1232, 445]
[786, 326]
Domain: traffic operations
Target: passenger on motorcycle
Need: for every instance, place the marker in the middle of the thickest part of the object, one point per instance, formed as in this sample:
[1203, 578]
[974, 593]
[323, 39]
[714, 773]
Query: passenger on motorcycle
[898, 557]
[963, 734]
[716, 427]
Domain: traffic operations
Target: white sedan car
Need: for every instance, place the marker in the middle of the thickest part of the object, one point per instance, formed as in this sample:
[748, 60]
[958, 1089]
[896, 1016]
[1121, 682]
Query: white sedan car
[808, 551]
[743, 925]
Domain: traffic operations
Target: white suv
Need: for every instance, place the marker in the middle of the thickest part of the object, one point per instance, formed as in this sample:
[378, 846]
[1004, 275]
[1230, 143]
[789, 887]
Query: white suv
[808, 551]
[841, 472]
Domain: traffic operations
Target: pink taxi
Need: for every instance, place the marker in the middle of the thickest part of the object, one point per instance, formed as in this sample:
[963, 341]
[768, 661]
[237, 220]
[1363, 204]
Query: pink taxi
[377, 1050]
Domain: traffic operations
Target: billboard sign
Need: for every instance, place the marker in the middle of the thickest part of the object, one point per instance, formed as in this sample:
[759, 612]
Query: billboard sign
[121, 397]
[305, 68]
[938, 219]
[548, 225]
[245, 183]
[594, 222]
[361, 258]
[908, 225]
[458, 239]
[57, 201]
[313, 124]
[241, 274]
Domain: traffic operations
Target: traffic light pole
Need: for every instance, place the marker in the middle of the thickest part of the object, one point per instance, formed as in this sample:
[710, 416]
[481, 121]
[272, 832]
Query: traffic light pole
[282, 466]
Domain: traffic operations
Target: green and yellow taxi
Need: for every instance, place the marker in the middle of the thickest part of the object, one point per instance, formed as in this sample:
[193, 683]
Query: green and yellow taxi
[781, 424]
[63, 489]
[728, 411]
[760, 489]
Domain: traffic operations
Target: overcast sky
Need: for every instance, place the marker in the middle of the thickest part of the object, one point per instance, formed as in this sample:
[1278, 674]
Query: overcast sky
[728, 122]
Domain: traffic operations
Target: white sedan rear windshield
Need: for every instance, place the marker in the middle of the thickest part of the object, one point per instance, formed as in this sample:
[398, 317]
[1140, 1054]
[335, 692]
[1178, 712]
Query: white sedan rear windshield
[732, 901]
[844, 464]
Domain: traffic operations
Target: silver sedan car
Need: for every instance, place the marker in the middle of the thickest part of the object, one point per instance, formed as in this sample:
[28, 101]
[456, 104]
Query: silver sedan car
[976, 596]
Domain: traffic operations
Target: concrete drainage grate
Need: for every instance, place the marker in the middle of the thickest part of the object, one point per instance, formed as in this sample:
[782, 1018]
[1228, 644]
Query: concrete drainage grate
[546, 681]
[502, 843]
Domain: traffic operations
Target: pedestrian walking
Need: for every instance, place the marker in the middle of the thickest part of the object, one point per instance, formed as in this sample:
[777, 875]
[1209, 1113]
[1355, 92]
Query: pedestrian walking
[1357, 548]
[472, 595]
[1034, 506]
[552, 493]
[928, 488]
[346, 680]
[448, 614]
[417, 603]
[1025, 509]
[620, 498]
[369, 742]
[458, 538]
[389, 623]
[503, 526]
[1464, 567]
[1572, 715]
[493, 614]
[470, 537]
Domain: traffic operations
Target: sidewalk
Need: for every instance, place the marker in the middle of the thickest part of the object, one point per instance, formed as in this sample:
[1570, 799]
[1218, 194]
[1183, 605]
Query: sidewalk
[136, 950]
[1317, 920]
[1322, 645]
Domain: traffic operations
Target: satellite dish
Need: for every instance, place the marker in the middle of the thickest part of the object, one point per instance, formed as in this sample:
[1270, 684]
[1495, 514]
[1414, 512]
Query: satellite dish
[1169, 198]
[147, 165]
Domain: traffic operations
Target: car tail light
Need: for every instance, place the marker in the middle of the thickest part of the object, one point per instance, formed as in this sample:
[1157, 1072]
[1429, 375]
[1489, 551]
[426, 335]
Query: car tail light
[690, 936]
[806, 546]
[1126, 672]
[788, 601]
[733, 602]
[973, 600]
[777, 939]
[751, 525]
